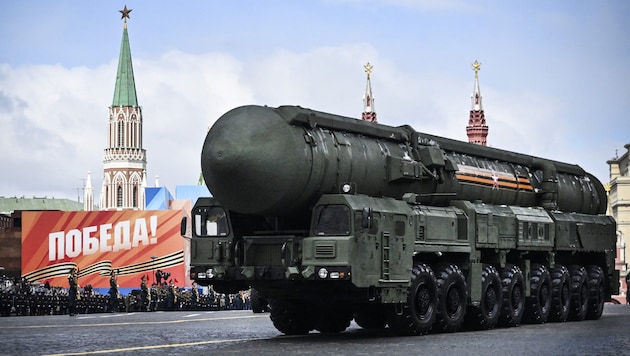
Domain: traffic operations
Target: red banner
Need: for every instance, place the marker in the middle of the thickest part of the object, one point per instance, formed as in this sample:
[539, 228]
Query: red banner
[133, 243]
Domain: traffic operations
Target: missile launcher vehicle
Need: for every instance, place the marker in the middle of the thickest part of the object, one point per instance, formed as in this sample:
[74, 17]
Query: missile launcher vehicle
[332, 219]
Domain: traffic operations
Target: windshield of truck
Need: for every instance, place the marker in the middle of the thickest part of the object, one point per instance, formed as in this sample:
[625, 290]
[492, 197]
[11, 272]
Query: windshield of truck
[211, 221]
[331, 220]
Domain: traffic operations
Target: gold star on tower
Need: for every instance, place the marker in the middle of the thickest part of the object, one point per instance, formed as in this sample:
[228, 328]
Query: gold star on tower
[368, 69]
[476, 67]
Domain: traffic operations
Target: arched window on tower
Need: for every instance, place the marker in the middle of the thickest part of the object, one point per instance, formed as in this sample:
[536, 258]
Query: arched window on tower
[135, 196]
[133, 134]
[132, 131]
[119, 197]
[121, 133]
[109, 137]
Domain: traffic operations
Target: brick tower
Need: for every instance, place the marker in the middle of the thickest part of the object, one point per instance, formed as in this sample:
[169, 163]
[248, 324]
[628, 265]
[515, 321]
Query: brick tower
[368, 99]
[477, 130]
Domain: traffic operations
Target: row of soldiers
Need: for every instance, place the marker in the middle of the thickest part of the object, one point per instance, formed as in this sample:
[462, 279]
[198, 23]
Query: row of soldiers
[19, 297]
[168, 297]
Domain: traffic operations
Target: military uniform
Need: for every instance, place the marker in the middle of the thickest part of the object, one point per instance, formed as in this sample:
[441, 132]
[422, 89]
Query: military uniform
[113, 293]
[171, 297]
[6, 304]
[73, 292]
[153, 296]
[194, 299]
[144, 295]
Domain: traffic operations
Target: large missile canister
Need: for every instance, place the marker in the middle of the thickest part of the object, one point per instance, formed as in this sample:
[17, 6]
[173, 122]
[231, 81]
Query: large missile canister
[278, 161]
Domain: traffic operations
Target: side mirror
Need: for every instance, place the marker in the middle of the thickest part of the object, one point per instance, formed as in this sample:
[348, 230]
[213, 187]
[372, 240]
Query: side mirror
[183, 225]
[366, 218]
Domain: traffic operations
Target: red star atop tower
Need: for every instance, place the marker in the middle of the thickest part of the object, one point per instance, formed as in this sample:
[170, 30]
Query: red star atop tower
[125, 13]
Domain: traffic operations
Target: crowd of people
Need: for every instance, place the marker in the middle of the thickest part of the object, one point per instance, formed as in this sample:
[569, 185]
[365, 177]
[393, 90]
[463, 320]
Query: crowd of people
[21, 297]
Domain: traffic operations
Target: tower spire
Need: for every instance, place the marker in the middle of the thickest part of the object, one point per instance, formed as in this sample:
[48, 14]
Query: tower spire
[368, 99]
[88, 194]
[125, 160]
[125, 89]
[477, 130]
[476, 95]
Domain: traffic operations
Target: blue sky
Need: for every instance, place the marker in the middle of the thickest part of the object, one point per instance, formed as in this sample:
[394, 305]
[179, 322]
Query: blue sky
[554, 76]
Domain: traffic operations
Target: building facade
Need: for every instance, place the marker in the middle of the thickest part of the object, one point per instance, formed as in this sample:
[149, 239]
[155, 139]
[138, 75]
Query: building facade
[619, 208]
[5, 222]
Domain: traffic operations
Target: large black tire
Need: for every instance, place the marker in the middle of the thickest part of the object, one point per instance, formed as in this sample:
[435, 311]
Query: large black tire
[560, 294]
[513, 306]
[452, 298]
[291, 319]
[417, 314]
[333, 320]
[579, 293]
[538, 304]
[258, 302]
[486, 315]
[371, 318]
[596, 292]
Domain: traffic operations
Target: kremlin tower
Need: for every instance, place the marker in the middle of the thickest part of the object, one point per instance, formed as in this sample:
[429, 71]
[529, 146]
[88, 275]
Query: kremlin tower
[477, 130]
[88, 194]
[125, 162]
[368, 99]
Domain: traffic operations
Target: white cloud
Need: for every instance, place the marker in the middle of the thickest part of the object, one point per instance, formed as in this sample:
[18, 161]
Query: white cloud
[182, 95]
[54, 119]
[324, 78]
[49, 126]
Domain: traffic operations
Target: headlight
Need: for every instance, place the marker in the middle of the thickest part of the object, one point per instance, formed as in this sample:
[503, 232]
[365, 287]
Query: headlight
[323, 273]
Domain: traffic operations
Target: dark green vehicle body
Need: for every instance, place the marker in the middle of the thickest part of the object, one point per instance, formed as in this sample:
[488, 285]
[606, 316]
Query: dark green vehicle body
[331, 218]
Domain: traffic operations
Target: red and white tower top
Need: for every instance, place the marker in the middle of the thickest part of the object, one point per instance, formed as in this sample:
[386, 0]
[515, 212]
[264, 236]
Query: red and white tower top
[368, 99]
[477, 130]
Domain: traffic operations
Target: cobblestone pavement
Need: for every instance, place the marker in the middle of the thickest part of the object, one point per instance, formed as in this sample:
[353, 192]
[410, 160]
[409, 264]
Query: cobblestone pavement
[231, 332]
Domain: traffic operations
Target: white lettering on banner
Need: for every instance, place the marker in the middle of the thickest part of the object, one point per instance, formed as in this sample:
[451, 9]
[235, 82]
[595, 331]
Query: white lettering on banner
[153, 222]
[73, 243]
[55, 246]
[87, 241]
[105, 237]
[90, 243]
[140, 234]
[121, 236]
